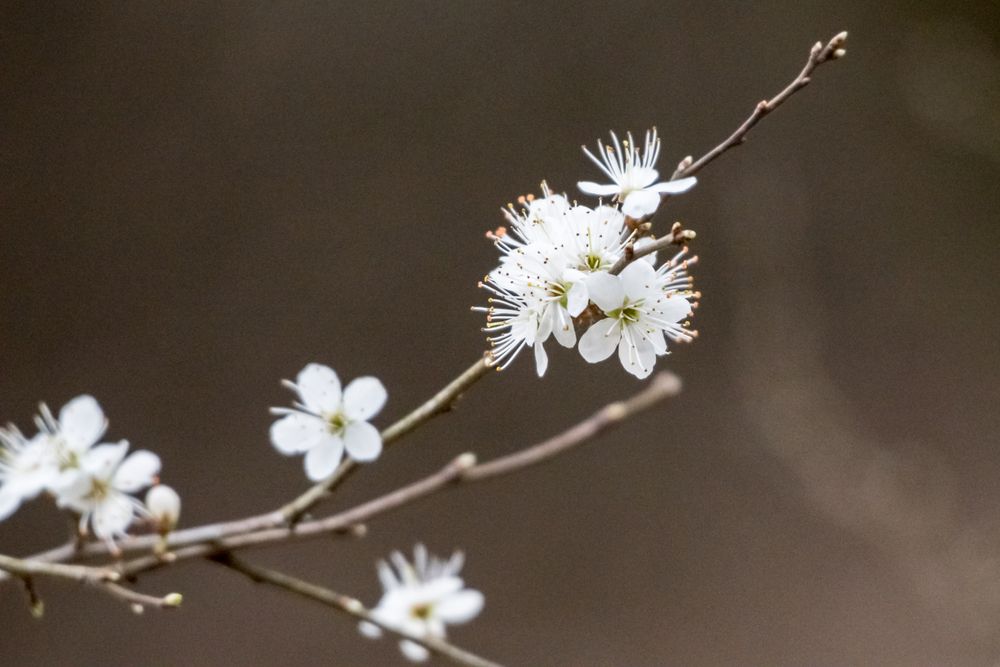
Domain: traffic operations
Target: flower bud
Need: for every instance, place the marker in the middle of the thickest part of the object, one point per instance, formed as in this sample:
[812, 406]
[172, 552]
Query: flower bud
[165, 506]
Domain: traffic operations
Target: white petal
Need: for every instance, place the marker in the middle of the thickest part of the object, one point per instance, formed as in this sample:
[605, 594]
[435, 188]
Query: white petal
[414, 651]
[319, 388]
[675, 187]
[563, 329]
[82, 423]
[674, 308]
[102, 460]
[637, 278]
[9, 502]
[136, 472]
[296, 433]
[324, 457]
[643, 177]
[369, 630]
[541, 359]
[641, 203]
[461, 607]
[112, 516]
[363, 398]
[597, 189]
[606, 291]
[600, 340]
[362, 441]
[638, 358]
[577, 298]
[657, 341]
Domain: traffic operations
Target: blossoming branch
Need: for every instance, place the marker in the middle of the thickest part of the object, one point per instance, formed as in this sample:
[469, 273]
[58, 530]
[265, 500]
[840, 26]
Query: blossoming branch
[604, 277]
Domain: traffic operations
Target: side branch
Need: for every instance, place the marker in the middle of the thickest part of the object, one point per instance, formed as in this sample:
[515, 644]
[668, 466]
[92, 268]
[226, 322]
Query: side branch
[347, 605]
[463, 469]
[818, 55]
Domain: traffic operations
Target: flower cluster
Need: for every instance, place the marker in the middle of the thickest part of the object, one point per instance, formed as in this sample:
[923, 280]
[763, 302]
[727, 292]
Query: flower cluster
[421, 598]
[93, 480]
[561, 268]
[328, 420]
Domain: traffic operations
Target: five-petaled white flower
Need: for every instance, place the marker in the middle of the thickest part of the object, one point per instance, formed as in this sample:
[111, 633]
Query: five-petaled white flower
[640, 306]
[99, 491]
[421, 598]
[633, 175]
[327, 420]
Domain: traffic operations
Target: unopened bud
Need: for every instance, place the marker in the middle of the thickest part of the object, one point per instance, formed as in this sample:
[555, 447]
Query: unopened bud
[465, 461]
[137, 608]
[839, 53]
[165, 506]
[173, 599]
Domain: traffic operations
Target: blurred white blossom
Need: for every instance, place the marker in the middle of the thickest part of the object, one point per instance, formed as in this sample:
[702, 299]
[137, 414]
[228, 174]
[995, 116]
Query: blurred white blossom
[633, 175]
[421, 598]
[327, 420]
[99, 492]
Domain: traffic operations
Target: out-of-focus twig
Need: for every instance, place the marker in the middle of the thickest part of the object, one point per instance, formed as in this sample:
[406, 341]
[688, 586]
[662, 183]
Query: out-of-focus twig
[347, 605]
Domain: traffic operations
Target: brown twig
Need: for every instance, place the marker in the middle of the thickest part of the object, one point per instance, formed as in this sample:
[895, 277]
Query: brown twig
[818, 55]
[463, 469]
[347, 605]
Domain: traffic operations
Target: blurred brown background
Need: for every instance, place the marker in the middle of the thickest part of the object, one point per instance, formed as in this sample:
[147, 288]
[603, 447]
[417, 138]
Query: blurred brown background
[199, 198]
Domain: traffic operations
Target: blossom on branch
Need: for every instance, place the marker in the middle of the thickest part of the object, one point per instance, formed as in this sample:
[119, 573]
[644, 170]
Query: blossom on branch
[633, 175]
[421, 598]
[328, 420]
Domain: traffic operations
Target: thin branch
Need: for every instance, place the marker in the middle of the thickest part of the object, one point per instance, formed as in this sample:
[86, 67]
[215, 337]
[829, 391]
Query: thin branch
[818, 55]
[29, 567]
[463, 469]
[349, 606]
[139, 601]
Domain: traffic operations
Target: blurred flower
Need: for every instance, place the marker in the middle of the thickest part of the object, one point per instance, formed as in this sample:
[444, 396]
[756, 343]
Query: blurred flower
[421, 598]
[164, 505]
[49, 460]
[99, 492]
[633, 175]
[641, 305]
[328, 420]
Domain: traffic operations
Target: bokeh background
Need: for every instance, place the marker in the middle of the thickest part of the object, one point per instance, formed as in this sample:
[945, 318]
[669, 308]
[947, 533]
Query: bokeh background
[199, 198]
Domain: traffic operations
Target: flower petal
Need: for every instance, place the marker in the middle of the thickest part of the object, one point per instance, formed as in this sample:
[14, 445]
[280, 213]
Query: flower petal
[577, 298]
[461, 607]
[9, 502]
[600, 340]
[637, 355]
[563, 329]
[82, 423]
[675, 187]
[363, 398]
[541, 359]
[637, 279]
[369, 630]
[362, 441]
[641, 203]
[413, 651]
[606, 291]
[597, 189]
[296, 433]
[112, 516]
[324, 457]
[136, 472]
[102, 460]
[319, 388]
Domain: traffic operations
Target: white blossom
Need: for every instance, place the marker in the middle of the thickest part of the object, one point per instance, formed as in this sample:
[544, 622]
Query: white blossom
[421, 598]
[327, 420]
[641, 305]
[633, 175]
[99, 492]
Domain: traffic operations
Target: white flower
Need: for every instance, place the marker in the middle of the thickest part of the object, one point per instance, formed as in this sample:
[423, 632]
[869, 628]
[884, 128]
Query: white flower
[164, 505]
[50, 459]
[27, 467]
[633, 175]
[327, 420]
[421, 598]
[100, 491]
[514, 321]
[641, 305]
